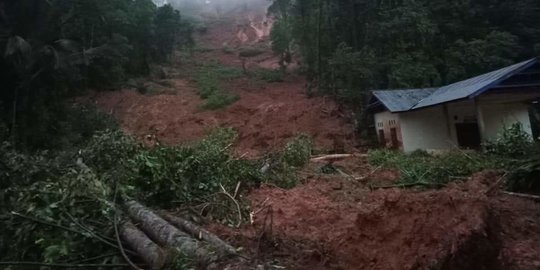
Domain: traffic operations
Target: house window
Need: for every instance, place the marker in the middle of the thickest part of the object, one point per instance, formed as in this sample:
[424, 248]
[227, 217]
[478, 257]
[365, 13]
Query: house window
[380, 124]
[392, 122]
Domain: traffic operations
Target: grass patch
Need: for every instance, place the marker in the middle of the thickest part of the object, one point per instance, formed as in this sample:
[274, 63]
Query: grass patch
[420, 167]
[270, 76]
[210, 79]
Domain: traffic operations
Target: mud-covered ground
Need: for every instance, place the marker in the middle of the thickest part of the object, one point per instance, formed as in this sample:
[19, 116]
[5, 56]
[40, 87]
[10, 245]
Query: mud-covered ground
[331, 221]
[265, 116]
[334, 223]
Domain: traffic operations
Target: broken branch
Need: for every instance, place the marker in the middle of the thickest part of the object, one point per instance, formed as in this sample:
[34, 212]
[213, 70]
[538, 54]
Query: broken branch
[335, 157]
[522, 195]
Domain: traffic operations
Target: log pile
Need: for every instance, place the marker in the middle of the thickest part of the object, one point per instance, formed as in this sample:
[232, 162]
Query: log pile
[159, 239]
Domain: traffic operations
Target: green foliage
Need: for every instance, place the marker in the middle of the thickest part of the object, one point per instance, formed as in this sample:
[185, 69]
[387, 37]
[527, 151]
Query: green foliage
[169, 176]
[210, 86]
[419, 167]
[525, 177]
[75, 189]
[298, 151]
[79, 44]
[285, 164]
[519, 155]
[512, 142]
[270, 76]
[350, 71]
[348, 47]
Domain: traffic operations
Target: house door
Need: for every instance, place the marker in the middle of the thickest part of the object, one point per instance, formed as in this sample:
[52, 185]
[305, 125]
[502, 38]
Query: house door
[393, 136]
[382, 139]
[468, 135]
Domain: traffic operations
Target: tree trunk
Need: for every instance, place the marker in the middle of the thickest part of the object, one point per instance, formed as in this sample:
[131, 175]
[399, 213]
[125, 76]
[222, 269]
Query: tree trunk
[166, 234]
[150, 252]
[199, 233]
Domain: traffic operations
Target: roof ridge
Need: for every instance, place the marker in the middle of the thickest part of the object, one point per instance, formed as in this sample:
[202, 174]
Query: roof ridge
[520, 67]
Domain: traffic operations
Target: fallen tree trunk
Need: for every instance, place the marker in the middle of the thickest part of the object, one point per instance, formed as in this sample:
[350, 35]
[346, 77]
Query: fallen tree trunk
[166, 234]
[148, 251]
[199, 233]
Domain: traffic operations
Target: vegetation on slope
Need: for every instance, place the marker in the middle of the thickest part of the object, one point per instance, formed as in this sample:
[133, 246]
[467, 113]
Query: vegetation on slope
[54, 49]
[349, 47]
[513, 152]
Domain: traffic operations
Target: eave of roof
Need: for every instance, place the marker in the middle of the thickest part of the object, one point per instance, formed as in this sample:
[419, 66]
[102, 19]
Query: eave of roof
[401, 100]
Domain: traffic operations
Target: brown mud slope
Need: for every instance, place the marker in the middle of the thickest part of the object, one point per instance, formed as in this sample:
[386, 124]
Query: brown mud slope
[265, 118]
[519, 232]
[458, 227]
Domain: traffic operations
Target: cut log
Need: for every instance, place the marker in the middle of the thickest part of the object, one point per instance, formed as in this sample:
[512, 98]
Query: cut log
[199, 233]
[148, 251]
[167, 235]
[336, 157]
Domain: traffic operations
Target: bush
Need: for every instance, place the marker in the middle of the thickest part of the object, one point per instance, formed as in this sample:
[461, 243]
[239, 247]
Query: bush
[298, 151]
[512, 142]
[525, 172]
[284, 165]
[435, 170]
[168, 176]
[270, 75]
[209, 85]
[218, 100]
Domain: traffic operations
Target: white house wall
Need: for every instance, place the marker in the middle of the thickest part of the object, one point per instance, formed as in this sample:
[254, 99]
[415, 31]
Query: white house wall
[425, 129]
[386, 121]
[497, 116]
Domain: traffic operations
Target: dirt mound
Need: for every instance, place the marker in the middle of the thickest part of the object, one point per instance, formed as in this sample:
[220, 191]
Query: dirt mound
[388, 229]
[519, 232]
[265, 118]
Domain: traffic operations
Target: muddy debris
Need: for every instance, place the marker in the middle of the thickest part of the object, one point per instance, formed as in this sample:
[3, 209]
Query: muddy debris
[457, 227]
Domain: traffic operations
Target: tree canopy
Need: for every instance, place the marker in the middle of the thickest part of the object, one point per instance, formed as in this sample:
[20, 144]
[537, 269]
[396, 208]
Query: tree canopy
[53, 49]
[351, 46]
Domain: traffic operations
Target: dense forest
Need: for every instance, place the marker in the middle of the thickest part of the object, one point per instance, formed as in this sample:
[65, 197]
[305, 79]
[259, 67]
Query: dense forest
[52, 50]
[348, 47]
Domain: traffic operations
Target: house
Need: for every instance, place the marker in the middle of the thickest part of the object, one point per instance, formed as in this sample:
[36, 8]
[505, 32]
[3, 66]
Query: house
[463, 114]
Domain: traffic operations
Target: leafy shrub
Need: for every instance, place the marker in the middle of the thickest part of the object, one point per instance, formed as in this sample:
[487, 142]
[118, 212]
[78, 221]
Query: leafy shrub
[270, 75]
[298, 151]
[525, 173]
[436, 170]
[209, 85]
[512, 142]
[108, 149]
[218, 100]
[284, 165]
[186, 174]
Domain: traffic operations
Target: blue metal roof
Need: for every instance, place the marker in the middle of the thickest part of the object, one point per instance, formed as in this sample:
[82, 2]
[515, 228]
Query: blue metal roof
[412, 99]
[472, 87]
[402, 100]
